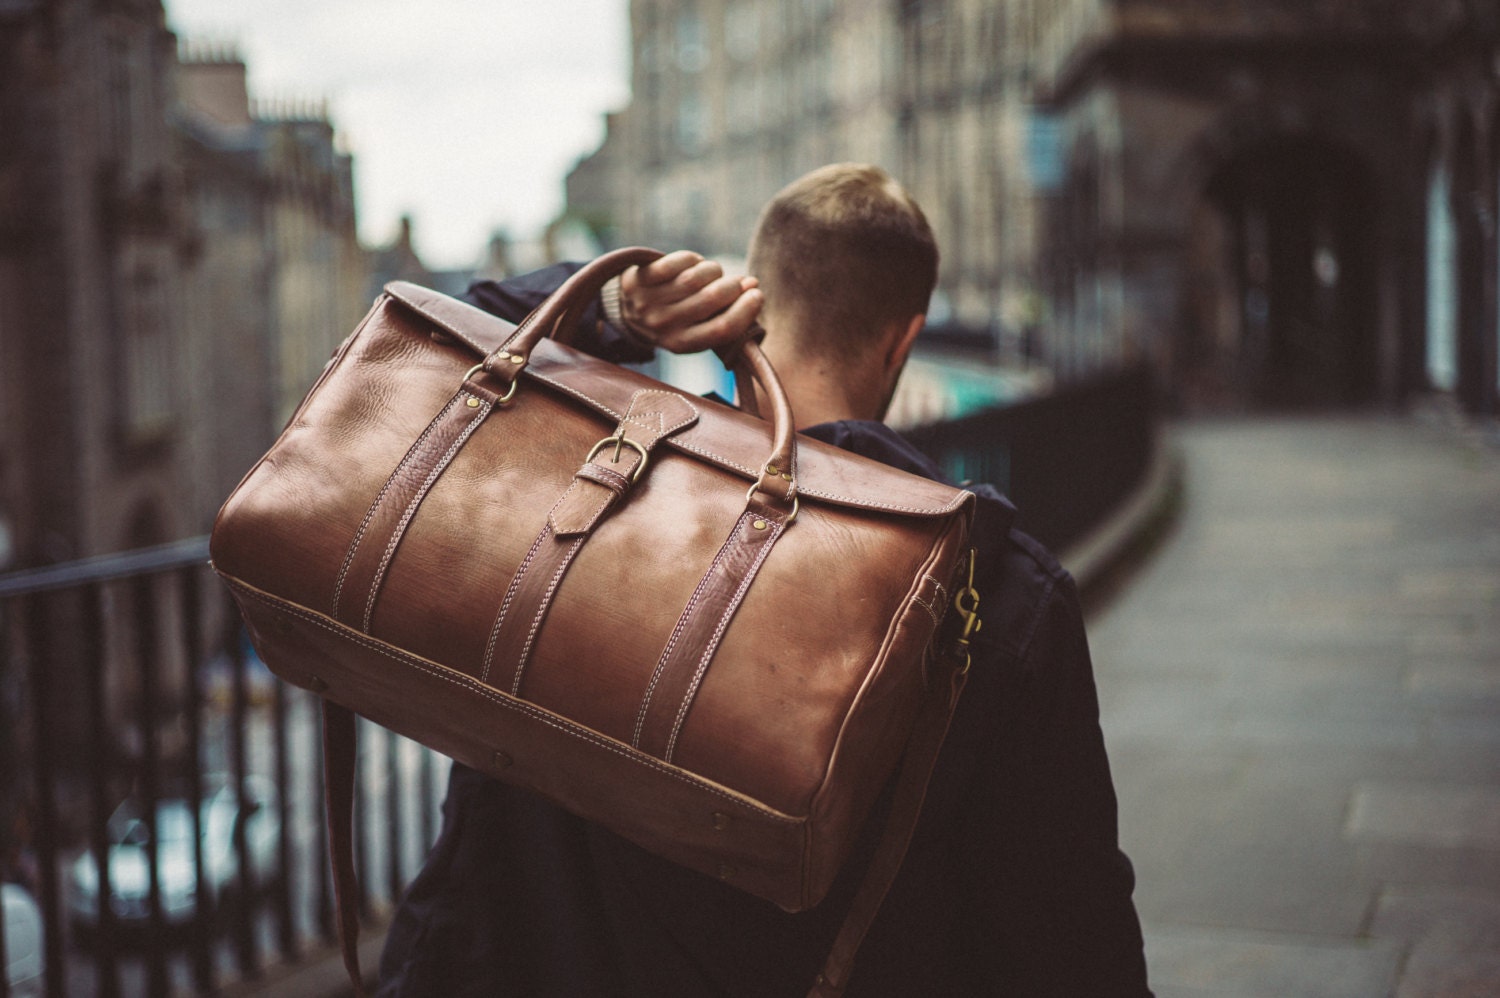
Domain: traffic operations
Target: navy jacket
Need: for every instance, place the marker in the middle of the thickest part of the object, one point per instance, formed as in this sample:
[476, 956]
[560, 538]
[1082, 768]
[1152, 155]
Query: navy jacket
[1013, 885]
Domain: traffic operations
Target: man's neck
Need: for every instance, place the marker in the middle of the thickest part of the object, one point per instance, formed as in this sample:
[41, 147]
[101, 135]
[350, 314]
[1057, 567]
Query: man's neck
[819, 390]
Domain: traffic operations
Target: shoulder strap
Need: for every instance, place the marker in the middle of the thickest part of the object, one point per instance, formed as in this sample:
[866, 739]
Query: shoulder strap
[911, 789]
[338, 798]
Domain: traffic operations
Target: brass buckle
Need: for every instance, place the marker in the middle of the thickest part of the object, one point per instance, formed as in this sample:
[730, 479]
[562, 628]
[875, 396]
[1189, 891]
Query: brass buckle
[621, 440]
[970, 615]
[513, 385]
[796, 504]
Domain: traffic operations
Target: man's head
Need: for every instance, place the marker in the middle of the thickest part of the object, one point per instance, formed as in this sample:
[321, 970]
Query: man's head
[843, 255]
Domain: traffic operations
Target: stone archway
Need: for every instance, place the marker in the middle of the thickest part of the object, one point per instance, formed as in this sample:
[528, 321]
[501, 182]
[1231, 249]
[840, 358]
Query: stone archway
[1470, 218]
[1280, 279]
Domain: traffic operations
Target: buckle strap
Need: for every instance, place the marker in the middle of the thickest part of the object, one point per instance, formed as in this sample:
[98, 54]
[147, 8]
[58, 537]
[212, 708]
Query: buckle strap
[597, 487]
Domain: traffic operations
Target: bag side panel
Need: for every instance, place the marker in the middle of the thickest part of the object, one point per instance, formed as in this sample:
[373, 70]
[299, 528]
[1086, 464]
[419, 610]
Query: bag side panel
[288, 527]
[880, 719]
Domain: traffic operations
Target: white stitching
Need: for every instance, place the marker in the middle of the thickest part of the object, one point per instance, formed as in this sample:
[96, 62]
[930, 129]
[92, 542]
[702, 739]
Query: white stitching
[411, 508]
[682, 620]
[541, 611]
[713, 643]
[724, 462]
[406, 459]
[926, 606]
[468, 684]
[510, 593]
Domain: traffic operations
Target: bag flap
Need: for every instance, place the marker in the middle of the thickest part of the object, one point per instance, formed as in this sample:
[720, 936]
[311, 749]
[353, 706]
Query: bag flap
[723, 436]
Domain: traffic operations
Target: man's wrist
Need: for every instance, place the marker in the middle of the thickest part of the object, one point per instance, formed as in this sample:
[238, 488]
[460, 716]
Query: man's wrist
[612, 305]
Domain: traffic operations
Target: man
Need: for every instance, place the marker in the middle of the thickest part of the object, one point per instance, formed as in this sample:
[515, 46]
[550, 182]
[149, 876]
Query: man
[1013, 884]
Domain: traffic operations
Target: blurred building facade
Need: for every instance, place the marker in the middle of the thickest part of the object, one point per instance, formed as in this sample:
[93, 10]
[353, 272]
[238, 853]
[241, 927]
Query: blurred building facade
[91, 241]
[1271, 202]
[175, 268]
[274, 276]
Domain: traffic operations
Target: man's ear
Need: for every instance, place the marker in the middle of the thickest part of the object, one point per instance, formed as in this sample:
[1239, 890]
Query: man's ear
[900, 343]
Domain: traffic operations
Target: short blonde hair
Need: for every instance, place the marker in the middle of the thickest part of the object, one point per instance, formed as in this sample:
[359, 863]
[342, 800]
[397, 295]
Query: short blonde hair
[849, 251]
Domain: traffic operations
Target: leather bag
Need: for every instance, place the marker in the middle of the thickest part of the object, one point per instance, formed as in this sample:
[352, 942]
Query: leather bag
[671, 617]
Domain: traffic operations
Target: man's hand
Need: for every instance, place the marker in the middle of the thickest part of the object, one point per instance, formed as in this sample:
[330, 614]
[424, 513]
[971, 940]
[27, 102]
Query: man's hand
[684, 303]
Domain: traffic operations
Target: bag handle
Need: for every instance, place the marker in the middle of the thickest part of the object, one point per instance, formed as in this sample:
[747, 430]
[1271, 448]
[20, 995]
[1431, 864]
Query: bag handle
[561, 311]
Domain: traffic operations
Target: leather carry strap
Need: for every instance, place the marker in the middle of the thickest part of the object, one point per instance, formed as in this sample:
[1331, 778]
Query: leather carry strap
[695, 639]
[338, 796]
[374, 544]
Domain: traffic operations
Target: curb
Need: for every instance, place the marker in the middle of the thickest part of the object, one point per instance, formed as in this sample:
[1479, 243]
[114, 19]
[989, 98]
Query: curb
[1097, 561]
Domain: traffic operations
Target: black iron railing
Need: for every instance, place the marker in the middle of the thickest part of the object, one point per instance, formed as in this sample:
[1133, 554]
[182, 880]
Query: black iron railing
[1066, 459]
[161, 794]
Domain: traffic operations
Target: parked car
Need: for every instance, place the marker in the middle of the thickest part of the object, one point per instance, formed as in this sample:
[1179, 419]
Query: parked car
[24, 965]
[129, 839]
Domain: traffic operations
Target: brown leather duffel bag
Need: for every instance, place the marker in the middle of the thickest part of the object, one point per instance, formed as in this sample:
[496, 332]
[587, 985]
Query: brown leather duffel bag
[675, 619]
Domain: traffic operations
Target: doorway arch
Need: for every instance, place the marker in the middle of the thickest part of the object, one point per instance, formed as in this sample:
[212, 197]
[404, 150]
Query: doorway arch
[1280, 278]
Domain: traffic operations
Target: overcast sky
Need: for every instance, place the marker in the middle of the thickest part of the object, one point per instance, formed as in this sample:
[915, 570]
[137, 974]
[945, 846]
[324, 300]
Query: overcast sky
[466, 114]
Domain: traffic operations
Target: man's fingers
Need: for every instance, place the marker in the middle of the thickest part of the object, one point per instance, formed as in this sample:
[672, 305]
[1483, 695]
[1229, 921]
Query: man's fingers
[666, 315]
[726, 326]
[666, 269]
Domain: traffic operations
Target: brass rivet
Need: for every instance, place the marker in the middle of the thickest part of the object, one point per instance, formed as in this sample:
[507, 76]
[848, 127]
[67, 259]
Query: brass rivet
[473, 403]
[502, 761]
[721, 820]
[516, 358]
[759, 524]
[726, 871]
[502, 355]
[787, 477]
[771, 469]
[316, 684]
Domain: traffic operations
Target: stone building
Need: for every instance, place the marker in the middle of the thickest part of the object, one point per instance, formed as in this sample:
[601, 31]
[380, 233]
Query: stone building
[734, 98]
[274, 277]
[91, 241]
[1283, 202]
[1276, 202]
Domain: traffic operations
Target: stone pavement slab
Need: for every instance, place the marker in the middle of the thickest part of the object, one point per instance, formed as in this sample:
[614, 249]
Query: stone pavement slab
[1301, 696]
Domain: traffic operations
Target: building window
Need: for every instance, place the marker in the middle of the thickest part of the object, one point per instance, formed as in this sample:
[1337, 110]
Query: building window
[148, 358]
[1442, 283]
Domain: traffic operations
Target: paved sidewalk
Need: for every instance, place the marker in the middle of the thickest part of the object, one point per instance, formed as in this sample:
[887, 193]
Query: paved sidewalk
[1301, 696]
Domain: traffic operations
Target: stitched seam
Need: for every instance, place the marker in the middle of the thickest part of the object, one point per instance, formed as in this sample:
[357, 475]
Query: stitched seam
[620, 482]
[940, 599]
[510, 592]
[682, 622]
[407, 459]
[541, 612]
[928, 607]
[713, 643]
[722, 461]
[593, 518]
[570, 390]
[411, 508]
[468, 684]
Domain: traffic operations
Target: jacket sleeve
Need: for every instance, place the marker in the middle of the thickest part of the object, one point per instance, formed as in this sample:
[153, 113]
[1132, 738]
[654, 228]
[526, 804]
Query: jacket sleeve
[1050, 904]
[516, 297]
